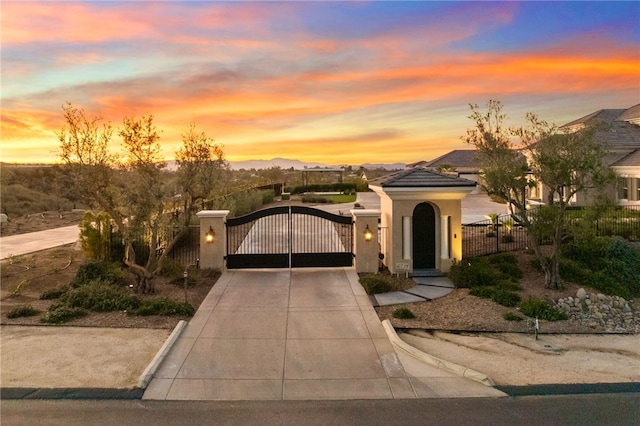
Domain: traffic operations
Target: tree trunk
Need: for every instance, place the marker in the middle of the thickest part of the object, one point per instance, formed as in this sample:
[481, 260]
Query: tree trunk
[144, 280]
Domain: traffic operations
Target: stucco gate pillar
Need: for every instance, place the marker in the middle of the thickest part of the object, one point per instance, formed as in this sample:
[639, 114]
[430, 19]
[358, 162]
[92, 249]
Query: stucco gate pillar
[366, 250]
[212, 250]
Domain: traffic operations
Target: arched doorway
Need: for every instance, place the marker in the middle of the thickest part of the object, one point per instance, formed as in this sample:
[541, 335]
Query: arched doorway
[424, 237]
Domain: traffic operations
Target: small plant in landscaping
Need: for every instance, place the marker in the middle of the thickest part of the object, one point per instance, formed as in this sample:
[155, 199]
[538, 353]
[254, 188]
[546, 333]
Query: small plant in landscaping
[100, 296]
[59, 314]
[99, 270]
[403, 313]
[172, 270]
[505, 298]
[486, 292]
[509, 316]
[164, 306]
[507, 238]
[54, 293]
[379, 283]
[609, 264]
[23, 311]
[536, 308]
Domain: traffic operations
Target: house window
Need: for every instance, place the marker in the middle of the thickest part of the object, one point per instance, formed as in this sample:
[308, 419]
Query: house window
[638, 189]
[623, 188]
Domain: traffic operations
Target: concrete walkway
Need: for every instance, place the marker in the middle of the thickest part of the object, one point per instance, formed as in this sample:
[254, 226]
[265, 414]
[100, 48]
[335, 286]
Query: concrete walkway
[16, 245]
[427, 288]
[301, 334]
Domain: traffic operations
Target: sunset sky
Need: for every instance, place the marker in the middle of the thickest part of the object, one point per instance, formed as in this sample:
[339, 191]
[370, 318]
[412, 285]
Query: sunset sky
[331, 82]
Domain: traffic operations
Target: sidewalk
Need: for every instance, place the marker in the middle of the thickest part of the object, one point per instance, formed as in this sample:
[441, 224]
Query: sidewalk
[295, 335]
[16, 245]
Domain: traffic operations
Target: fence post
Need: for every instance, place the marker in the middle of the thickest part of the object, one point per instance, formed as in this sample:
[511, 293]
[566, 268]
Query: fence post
[366, 246]
[213, 238]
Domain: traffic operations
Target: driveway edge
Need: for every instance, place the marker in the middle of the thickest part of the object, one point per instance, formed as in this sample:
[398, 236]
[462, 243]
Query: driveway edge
[434, 361]
[153, 366]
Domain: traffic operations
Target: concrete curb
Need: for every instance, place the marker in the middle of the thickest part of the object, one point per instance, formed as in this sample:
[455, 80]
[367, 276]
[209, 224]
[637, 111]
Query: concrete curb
[434, 361]
[153, 366]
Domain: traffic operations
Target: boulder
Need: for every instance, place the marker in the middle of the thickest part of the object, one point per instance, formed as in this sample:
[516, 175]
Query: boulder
[581, 294]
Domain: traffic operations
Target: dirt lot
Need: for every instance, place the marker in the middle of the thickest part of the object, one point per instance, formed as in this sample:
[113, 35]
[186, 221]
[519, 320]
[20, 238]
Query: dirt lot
[77, 357]
[519, 359]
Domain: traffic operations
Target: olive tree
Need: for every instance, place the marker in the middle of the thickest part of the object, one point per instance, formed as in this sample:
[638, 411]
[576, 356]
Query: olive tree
[564, 163]
[131, 188]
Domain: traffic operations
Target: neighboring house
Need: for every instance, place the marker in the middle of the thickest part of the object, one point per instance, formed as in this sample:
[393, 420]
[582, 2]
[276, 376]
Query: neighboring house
[620, 136]
[463, 162]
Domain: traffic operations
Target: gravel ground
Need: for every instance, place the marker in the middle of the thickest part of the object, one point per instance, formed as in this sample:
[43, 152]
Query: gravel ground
[519, 359]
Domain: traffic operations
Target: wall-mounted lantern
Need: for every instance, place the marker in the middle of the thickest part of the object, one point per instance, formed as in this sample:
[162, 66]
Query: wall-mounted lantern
[210, 236]
[368, 235]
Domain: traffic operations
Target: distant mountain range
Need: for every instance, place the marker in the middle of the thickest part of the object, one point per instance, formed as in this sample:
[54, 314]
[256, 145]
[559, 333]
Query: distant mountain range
[285, 163]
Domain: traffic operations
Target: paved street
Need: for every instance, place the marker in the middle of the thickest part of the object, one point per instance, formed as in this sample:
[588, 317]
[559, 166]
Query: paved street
[582, 410]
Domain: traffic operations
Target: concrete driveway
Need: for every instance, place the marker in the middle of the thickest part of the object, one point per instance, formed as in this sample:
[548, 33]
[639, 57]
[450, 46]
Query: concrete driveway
[298, 334]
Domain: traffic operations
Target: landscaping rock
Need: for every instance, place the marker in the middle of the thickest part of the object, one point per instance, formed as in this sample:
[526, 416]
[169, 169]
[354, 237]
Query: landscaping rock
[610, 314]
[581, 293]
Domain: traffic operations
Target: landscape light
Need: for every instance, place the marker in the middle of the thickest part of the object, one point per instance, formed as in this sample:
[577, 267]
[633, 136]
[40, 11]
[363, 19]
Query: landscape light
[368, 235]
[210, 236]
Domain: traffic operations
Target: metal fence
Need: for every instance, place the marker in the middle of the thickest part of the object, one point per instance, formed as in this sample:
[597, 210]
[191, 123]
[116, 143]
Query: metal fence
[493, 236]
[187, 250]
[488, 236]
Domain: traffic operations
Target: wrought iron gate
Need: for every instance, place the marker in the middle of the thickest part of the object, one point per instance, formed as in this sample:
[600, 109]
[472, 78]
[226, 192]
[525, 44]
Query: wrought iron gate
[289, 236]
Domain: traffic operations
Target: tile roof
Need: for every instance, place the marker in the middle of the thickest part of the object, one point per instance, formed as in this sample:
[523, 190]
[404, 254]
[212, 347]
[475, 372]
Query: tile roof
[619, 134]
[606, 115]
[419, 177]
[631, 115]
[632, 159]
[457, 158]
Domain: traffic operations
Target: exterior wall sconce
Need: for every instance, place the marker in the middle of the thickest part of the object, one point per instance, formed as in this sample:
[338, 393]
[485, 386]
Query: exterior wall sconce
[368, 235]
[210, 236]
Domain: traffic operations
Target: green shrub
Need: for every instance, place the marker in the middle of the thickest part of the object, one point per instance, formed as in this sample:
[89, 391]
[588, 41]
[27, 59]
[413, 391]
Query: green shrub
[23, 311]
[164, 306]
[315, 199]
[535, 264]
[505, 298]
[325, 187]
[172, 270]
[510, 270]
[60, 313]
[99, 270]
[536, 308]
[100, 296]
[377, 283]
[507, 238]
[486, 292]
[498, 258]
[508, 285]
[473, 272]
[267, 196]
[509, 316]
[609, 264]
[403, 313]
[54, 293]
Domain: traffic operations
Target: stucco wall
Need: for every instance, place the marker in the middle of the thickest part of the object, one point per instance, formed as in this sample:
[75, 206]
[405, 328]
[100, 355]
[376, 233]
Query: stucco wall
[392, 217]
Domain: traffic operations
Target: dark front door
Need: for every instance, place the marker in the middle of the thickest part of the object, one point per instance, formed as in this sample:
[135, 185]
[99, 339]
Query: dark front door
[424, 237]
